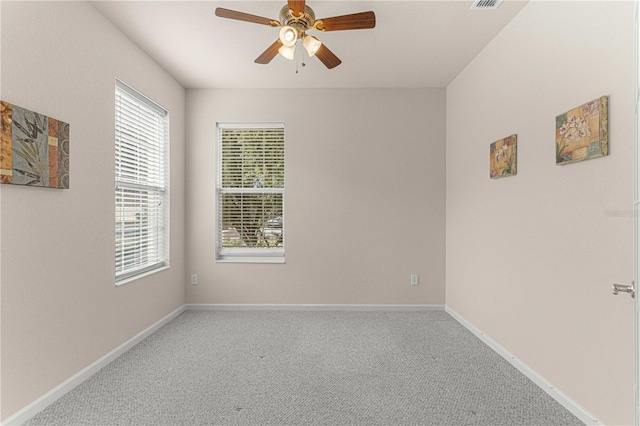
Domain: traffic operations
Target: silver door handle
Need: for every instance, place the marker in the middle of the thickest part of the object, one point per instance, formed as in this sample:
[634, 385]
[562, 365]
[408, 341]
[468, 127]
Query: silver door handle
[623, 288]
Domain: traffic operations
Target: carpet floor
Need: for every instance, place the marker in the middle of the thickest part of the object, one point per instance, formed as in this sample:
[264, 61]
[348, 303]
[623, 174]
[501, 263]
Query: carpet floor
[308, 368]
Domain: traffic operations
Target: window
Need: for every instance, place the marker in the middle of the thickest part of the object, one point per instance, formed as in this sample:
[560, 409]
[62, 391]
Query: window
[250, 192]
[142, 184]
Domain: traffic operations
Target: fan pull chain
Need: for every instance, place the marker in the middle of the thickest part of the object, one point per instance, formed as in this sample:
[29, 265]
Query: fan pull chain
[301, 59]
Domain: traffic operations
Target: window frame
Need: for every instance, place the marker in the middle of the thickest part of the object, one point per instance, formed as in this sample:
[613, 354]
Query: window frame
[158, 226]
[245, 255]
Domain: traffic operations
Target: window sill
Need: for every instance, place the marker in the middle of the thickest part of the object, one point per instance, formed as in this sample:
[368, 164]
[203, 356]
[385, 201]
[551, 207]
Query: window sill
[250, 259]
[141, 275]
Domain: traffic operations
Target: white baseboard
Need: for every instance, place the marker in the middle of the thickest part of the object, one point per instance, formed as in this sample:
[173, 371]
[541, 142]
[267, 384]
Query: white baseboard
[575, 408]
[26, 413]
[50, 397]
[63, 388]
[308, 307]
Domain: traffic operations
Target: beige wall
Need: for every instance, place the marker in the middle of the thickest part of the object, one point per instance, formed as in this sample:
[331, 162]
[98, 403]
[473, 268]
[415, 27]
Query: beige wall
[531, 258]
[364, 197]
[60, 308]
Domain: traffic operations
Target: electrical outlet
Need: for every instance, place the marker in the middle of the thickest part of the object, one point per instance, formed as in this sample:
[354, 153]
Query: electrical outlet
[194, 279]
[414, 279]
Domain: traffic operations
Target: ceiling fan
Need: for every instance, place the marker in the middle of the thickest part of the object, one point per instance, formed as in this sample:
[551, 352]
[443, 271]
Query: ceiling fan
[296, 18]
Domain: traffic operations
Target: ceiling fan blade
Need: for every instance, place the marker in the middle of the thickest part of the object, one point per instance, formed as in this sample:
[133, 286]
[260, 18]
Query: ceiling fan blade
[270, 53]
[241, 16]
[297, 6]
[355, 21]
[327, 57]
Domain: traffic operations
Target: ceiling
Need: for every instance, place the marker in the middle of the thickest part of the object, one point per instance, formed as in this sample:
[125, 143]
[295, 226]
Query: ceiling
[415, 43]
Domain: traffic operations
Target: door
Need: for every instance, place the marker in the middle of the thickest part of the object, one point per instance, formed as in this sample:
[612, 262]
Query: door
[636, 207]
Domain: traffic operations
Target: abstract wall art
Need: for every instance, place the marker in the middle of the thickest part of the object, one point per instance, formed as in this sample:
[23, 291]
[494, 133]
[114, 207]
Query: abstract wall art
[34, 148]
[503, 157]
[581, 133]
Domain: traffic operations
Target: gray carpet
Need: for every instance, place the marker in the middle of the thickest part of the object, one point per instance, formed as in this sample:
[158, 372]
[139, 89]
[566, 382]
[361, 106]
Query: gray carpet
[308, 368]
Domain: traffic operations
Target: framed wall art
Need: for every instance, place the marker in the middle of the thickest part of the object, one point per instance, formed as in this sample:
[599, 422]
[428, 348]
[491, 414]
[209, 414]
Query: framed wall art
[34, 148]
[503, 157]
[581, 133]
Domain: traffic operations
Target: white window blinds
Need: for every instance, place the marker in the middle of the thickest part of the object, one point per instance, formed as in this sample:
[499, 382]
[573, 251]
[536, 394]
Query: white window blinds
[142, 178]
[250, 191]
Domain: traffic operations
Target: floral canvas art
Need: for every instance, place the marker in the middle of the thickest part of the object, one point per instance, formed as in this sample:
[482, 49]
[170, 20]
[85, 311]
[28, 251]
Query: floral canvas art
[503, 157]
[581, 133]
[34, 148]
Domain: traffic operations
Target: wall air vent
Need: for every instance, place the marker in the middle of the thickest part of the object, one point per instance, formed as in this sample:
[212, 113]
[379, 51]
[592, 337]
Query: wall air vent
[485, 4]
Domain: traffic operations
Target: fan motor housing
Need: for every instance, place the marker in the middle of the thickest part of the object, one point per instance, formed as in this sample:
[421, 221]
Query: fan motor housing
[301, 23]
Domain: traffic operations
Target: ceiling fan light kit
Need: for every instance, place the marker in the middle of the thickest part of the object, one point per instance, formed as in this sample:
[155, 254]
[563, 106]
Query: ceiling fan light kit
[288, 51]
[311, 44]
[296, 18]
[288, 35]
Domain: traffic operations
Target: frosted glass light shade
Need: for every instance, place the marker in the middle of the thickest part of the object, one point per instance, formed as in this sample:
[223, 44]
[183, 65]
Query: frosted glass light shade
[312, 44]
[288, 35]
[287, 51]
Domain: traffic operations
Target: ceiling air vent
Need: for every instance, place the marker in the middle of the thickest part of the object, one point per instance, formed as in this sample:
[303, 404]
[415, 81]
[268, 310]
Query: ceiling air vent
[485, 4]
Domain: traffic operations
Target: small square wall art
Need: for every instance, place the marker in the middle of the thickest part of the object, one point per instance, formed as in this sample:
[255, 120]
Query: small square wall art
[503, 157]
[581, 133]
[34, 148]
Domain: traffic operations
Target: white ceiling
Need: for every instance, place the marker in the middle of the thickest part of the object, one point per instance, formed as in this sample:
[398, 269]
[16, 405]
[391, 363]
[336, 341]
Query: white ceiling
[414, 44]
